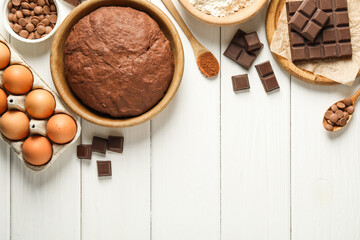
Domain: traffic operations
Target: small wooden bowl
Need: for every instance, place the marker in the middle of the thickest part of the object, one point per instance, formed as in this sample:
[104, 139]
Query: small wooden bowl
[240, 16]
[57, 61]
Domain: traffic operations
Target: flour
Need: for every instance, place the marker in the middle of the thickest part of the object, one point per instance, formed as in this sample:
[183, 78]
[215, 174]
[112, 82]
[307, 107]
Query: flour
[220, 8]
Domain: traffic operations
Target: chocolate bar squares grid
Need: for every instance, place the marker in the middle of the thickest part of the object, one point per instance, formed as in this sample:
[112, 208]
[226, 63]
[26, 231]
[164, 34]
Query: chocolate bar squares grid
[237, 52]
[333, 42]
[267, 76]
[308, 20]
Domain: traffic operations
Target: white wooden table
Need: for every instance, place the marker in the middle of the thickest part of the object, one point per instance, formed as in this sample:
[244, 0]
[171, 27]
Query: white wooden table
[214, 165]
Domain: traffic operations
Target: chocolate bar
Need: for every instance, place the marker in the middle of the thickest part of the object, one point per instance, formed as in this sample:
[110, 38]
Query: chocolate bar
[308, 20]
[252, 41]
[334, 41]
[104, 168]
[240, 82]
[267, 76]
[237, 52]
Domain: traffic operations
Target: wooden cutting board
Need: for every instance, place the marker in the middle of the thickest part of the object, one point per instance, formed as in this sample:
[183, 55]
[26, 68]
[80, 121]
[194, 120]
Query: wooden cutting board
[273, 14]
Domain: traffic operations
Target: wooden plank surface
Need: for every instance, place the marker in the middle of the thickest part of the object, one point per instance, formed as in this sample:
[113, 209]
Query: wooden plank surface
[325, 167]
[186, 150]
[255, 149]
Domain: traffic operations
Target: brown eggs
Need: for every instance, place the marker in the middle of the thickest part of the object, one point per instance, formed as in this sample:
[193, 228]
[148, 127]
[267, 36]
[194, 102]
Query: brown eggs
[37, 150]
[4, 55]
[17, 79]
[3, 101]
[40, 104]
[14, 125]
[61, 128]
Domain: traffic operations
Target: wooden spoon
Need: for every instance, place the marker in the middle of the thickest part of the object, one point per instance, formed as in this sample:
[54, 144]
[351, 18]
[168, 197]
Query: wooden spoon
[206, 61]
[353, 99]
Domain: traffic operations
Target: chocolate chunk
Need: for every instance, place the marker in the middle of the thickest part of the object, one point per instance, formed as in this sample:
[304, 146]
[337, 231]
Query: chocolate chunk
[240, 82]
[237, 52]
[334, 41]
[327, 114]
[84, 151]
[329, 127]
[252, 41]
[115, 144]
[99, 145]
[267, 76]
[73, 2]
[104, 168]
[308, 20]
[334, 118]
[340, 105]
[339, 113]
[334, 108]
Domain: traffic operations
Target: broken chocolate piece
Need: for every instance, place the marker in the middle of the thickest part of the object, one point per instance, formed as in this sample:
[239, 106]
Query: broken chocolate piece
[267, 76]
[237, 52]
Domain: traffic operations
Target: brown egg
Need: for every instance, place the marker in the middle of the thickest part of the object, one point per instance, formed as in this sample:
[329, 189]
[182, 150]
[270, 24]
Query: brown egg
[40, 104]
[14, 125]
[3, 101]
[17, 79]
[61, 128]
[4, 55]
[37, 150]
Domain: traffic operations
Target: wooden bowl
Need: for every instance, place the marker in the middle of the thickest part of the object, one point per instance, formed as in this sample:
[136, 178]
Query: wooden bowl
[57, 61]
[274, 10]
[240, 16]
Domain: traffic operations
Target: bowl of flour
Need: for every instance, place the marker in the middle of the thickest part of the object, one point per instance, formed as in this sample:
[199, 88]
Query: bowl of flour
[223, 12]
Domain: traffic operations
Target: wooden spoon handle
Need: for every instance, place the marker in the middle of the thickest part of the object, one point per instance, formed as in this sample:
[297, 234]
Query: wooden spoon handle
[355, 96]
[172, 9]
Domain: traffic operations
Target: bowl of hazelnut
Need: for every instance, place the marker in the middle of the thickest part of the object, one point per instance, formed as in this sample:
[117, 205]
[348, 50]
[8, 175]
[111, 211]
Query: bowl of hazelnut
[30, 21]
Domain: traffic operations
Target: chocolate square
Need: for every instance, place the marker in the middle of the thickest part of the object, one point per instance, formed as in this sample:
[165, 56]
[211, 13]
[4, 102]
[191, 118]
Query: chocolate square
[252, 41]
[308, 20]
[267, 76]
[99, 145]
[104, 168]
[84, 152]
[240, 82]
[115, 144]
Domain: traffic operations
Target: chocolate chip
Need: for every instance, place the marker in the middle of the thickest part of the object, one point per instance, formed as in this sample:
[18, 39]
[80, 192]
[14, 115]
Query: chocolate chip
[25, 5]
[26, 12]
[350, 110]
[53, 18]
[40, 29]
[19, 14]
[41, 2]
[339, 113]
[340, 105]
[22, 22]
[327, 114]
[16, 2]
[48, 29]
[30, 27]
[333, 118]
[329, 127]
[46, 9]
[38, 10]
[24, 33]
[347, 102]
[31, 35]
[52, 8]
[346, 115]
[17, 28]
[342, 122]
[10, 5]
[46, 22]
[334, 108]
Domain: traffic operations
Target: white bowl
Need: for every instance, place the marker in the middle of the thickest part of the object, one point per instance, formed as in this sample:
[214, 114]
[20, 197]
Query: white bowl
[6, 22]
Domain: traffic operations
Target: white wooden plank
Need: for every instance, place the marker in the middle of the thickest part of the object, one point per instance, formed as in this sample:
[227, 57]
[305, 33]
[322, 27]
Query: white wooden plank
[4, 179]
[186, 149]
[45, 205]
[117, 207]
[255, 148]
[325, 167]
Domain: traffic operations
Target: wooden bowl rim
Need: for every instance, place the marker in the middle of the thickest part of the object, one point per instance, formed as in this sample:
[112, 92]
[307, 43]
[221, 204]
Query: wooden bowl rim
[80, 109]
[273, 13]
[240, 16]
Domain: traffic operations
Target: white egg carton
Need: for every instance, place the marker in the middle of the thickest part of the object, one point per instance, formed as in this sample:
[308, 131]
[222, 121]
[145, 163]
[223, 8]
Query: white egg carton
[37, 127]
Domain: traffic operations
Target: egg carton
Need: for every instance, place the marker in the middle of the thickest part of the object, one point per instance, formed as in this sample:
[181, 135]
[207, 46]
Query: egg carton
[37, 127]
